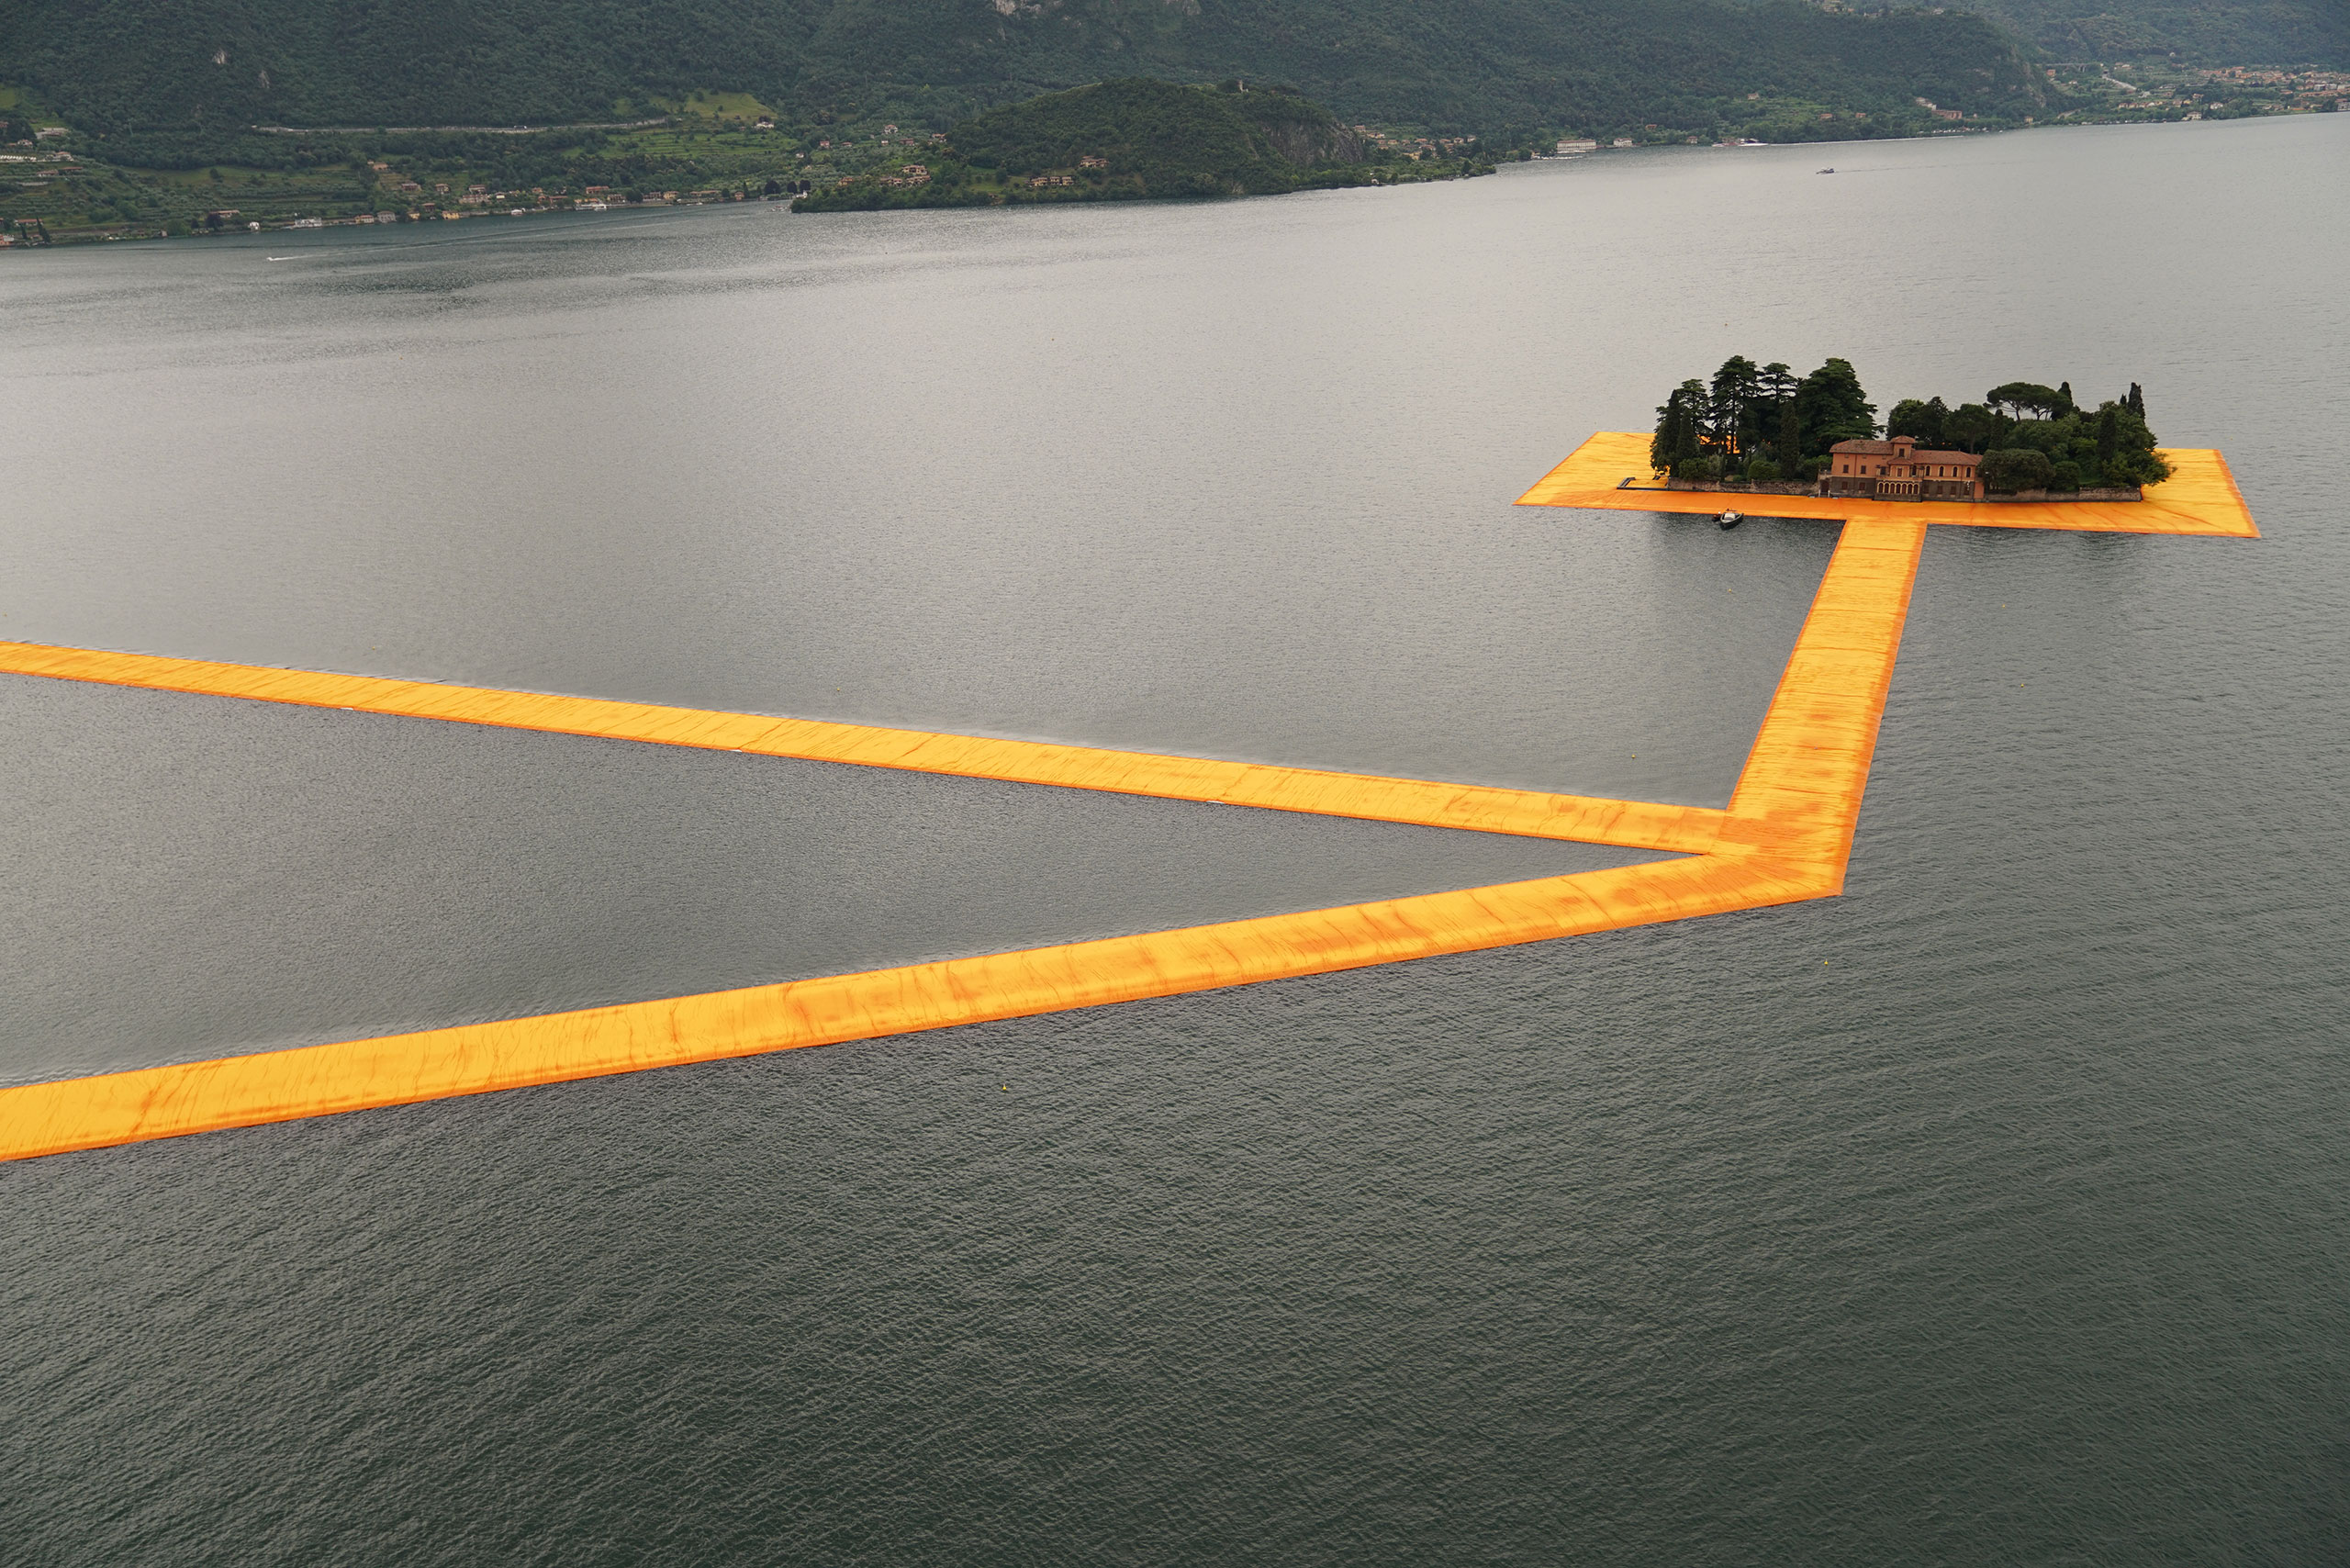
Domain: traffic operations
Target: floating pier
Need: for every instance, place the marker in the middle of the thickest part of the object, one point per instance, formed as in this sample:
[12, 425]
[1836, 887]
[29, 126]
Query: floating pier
[1610, 472]
[1785, 836]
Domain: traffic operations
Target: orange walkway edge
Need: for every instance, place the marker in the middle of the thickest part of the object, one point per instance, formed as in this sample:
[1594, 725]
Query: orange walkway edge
[2200, 497]
[1785, 836]
[1634, 824]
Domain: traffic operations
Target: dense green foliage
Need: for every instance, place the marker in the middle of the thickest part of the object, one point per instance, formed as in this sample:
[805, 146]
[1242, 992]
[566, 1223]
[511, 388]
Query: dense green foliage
[1760, 423]
[2033, 437]
[1128, 140]
[193, 72]
[2006, 470]
[1159, 132]
[1764, 415]
[2207, 32]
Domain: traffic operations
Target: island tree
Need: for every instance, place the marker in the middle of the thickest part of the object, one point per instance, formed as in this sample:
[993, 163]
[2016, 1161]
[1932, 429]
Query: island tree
[2107, 447]
[1923, 422]
[1830, 407]
[1760, 423]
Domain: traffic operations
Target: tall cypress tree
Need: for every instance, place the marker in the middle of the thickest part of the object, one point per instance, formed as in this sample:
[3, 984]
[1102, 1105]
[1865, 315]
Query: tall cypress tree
[1680, 429]
[1776, 385]
[1695, 417]
[1735, 389]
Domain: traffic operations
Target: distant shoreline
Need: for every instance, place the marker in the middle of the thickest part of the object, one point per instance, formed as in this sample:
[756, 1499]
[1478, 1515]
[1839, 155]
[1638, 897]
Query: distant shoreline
[29, 234]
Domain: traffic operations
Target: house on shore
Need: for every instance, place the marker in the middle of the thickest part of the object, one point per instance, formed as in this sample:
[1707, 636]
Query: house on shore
[1898, 470]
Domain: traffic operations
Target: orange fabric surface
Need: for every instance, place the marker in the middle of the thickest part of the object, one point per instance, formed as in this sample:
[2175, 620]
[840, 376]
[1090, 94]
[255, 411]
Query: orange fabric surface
[314, 1080]
[1800, 797]
[2200, 497]
[1785, 836]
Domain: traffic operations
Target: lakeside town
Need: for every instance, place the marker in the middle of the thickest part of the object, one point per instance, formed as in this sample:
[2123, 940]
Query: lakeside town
[58, 186]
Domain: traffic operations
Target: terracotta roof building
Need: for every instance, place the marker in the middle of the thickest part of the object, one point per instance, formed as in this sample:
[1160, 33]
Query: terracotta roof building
[1898, 470]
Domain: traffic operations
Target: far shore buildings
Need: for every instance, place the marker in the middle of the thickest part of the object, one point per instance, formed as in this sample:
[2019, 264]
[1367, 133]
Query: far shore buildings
[1897, 470]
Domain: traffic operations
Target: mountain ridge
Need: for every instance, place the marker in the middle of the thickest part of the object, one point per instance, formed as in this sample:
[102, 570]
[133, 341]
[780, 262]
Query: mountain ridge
[212, 68]
[2199, 32]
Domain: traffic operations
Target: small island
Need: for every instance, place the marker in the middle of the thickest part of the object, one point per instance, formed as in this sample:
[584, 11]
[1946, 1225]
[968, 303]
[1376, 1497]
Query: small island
[1135, 140]
[1764, 429]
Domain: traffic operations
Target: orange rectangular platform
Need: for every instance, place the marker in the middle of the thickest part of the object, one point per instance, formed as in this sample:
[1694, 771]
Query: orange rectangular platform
[2200, 497]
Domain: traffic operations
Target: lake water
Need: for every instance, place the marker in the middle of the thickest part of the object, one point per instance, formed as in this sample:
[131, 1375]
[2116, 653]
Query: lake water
[1995, 1211]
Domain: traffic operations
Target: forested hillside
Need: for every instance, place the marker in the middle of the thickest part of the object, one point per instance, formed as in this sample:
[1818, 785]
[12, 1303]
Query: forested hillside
[2201, 33]
[1134, 139]
[206, 69]
[1161, 135]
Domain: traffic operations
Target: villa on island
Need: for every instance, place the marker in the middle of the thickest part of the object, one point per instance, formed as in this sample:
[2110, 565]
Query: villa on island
[1897, 470]
[1763, 430]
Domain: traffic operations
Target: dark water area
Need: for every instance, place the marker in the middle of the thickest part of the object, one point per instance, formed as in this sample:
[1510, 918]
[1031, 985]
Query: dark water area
[196, 877]
[1994, 1211]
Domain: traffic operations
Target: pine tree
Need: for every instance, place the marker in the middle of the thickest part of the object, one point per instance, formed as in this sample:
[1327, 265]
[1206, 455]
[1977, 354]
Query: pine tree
[1777, 384]
[1695, 417]
[1680, 429]
[1668, 433]
[1834, 408]
[1735, 391]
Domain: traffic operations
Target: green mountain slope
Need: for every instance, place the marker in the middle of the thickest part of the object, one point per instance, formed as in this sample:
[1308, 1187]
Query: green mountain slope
[2201, 33]
[1130, 140]
[1161, 133]
[208, 68]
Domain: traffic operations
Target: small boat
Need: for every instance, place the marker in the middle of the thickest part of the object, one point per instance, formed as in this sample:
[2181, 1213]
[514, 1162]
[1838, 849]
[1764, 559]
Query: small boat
[1729, 518]
[1826, 171]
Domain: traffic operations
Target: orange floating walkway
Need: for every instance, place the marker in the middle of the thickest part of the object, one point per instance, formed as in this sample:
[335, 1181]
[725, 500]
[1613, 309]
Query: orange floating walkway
[2200, 497]
[1635, 824]
[1785, 837]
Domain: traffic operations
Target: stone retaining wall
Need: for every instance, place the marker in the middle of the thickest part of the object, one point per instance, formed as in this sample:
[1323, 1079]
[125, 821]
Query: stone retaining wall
[1794, 487]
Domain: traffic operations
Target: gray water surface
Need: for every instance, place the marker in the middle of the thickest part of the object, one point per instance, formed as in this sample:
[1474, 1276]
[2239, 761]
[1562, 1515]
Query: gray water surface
[1177, 478]
[1994, 1211]
[195, 877]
